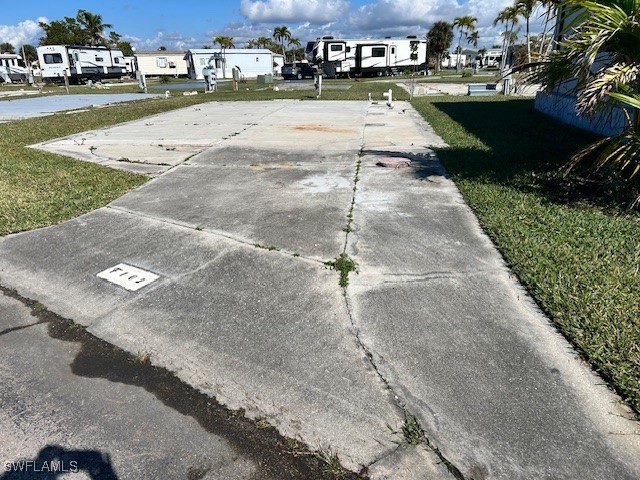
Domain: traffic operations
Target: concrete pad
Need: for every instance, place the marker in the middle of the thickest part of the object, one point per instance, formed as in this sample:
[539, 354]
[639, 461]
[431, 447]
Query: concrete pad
[42, 106]
[398, 129]
[155, 144]
[298, 210]
[308, 127]
[433, 323]
[258, 330]
[496, 388]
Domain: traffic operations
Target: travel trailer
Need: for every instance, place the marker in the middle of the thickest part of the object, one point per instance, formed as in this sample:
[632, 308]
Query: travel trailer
[373, 57]
[80, 63]
[12, 68]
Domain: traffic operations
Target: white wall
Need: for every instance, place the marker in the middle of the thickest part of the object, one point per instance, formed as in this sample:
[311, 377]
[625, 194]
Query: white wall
[252, 62]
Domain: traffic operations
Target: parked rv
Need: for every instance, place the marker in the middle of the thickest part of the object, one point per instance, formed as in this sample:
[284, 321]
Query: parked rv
[12, 68]
[388, 56]
[80, 63]
[453, 60]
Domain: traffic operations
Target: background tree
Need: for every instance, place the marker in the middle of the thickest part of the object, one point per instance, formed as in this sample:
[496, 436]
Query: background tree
[296, 43]
[93, 27]
[61, 32]
[509, 17]
[526, 8]
[282, 34]
[439, 39]
[30, 54]
[224, 42]
[465, 25]
[6, 47]
[126, 48]
[162, 48]
[473, 38]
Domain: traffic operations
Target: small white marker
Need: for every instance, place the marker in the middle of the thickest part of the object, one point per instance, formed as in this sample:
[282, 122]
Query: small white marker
[128, 277]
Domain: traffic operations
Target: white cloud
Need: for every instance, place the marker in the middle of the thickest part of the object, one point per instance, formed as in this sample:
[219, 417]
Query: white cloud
[313, 11]
[170, 40]
[27, 32]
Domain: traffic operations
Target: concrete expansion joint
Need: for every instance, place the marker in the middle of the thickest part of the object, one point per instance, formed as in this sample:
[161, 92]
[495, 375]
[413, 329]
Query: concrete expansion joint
[221, 234]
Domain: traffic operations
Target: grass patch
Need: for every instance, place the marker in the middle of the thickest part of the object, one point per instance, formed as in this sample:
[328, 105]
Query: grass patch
[568, 237]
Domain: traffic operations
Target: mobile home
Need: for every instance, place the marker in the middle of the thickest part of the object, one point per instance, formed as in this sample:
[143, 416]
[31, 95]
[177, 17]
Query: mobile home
[338, 57]
[162, 63]
[251, 62]
[12, 68]
[80, 63]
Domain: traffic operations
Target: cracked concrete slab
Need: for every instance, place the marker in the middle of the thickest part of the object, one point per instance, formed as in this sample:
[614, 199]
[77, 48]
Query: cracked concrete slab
[299, 209]
[433, 325]
[498, 391]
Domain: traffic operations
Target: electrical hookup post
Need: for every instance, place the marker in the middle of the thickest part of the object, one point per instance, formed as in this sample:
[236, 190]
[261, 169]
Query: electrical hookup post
[210, 79]
[317, 81]
[236, 77]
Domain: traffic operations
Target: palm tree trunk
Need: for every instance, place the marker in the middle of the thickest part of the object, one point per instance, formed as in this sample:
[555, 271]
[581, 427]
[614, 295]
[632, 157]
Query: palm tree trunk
[528, 43]
[544, 33]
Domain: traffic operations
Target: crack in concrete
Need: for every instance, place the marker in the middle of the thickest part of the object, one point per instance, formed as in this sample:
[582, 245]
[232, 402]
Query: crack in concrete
[457, 474]
[218, 233]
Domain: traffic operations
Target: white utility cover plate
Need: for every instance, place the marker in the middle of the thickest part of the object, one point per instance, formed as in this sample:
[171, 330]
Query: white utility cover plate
[128, 277]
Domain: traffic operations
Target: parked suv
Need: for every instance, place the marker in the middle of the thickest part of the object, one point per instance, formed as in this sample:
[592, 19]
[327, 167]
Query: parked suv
[297, 70]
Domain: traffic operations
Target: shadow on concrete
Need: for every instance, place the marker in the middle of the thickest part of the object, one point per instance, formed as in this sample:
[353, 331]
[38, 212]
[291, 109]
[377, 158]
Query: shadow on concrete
[278, 457]
[54, 462]
[423, 166]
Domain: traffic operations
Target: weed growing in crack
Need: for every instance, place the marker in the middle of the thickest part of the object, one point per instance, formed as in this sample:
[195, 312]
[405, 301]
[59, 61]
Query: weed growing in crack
[411, 432]
[143, 358]
[332, 464]
[345, 265]
[266, 247]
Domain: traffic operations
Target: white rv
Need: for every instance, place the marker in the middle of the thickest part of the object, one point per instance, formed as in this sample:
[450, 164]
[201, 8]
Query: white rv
[80, 63]
[12, 68]
[388, 56]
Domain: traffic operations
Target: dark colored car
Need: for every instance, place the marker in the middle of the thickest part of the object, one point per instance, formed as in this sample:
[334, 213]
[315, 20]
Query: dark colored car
[297, 70]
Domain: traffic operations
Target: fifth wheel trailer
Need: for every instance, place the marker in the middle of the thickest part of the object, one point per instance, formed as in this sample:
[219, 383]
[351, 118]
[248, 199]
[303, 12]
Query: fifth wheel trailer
[388, 56]
[80, 63]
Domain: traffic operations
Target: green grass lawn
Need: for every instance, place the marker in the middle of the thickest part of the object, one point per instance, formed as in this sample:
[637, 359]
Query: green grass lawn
[568, 238]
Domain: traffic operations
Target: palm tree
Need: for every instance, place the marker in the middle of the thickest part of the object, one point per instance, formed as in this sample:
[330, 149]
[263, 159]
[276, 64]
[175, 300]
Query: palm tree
[526, 8]
[92, 27]
[508, 16]
[466, 25]
[601, 50]
[550, 7]
[473, 38]
[296, 43]
[6, 47]
[282, 34]
[439, 39]
[224, 42]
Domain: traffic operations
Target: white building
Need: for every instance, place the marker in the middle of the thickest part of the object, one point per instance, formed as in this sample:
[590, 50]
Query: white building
[161, 63]
[251, 62]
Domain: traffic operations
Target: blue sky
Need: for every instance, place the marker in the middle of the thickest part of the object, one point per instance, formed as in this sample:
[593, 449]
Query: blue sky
[185, 24]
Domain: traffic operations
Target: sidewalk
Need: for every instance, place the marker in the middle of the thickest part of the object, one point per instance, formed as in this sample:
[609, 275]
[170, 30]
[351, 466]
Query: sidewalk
[432, 326]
